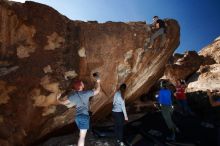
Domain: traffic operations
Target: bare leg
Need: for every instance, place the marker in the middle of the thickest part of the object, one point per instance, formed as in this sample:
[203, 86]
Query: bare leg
[82, 136]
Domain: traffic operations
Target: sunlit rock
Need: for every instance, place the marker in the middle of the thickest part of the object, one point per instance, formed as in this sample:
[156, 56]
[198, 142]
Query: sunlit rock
[50, 50]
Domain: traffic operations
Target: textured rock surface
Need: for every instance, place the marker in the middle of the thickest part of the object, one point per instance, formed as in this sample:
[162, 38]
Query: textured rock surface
[183, 66]
[201, 70]
[212, 51]
[41, 51]
[208, 76]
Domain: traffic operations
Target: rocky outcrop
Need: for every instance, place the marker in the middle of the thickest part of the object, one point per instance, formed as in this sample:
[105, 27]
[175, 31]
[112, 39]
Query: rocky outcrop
[202, 70]
[182, 66]
[208, 76]
[211, 52]
[41, 51]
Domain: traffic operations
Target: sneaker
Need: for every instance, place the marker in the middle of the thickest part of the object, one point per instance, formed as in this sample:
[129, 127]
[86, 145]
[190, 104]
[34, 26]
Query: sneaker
[122, 144]
[150, 47]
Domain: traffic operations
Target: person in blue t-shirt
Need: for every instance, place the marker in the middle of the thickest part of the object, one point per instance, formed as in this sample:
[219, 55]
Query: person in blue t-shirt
[80, 99]
[165, 100]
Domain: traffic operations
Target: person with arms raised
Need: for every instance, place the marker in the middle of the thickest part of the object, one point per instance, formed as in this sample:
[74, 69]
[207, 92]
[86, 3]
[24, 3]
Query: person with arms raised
[80, 99]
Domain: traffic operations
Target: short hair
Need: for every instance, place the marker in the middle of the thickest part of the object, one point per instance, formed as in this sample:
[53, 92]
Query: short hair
[77, 84]
[155, 17]
[164, 84]
[123, 86]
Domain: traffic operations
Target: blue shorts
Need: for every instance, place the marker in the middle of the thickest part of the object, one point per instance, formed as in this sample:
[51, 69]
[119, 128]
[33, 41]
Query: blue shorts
[82, 121]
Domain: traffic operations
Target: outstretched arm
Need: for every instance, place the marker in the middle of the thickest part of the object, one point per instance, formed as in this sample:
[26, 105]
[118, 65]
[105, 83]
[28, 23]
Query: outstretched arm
[63, 100]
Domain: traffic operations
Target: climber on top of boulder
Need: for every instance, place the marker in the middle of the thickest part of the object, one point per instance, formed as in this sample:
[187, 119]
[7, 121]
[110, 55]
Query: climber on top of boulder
[160, 27]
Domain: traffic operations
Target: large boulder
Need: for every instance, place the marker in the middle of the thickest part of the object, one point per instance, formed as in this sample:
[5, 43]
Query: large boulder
[182, 66]
[212, 52]
[202, 70]
[208, 76]
[41, 51]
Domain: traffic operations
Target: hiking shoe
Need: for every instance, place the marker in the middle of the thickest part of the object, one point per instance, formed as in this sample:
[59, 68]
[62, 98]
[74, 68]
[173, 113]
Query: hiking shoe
[122, 144]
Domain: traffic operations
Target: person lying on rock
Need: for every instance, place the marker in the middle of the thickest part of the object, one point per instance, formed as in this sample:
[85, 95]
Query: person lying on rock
[165, 100]
[119, 114]
[160, 30]
[214, 99]
[80, 99]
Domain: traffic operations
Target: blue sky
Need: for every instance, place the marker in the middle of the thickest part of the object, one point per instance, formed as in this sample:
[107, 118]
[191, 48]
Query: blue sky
[199, 19]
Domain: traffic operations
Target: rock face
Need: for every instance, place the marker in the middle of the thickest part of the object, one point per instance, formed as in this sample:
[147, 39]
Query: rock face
[183, 66]
[208, 76]
[202, 70]
[212, 52]
[41, 52]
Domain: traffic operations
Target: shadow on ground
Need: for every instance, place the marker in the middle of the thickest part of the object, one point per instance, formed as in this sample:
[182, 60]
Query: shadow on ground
[149, 130]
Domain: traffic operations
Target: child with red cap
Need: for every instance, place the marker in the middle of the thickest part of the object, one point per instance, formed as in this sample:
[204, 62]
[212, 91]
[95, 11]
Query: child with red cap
[80, 99]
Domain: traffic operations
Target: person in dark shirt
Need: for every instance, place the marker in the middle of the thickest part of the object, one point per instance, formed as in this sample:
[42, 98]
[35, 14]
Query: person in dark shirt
[214, 99]
[160, 27]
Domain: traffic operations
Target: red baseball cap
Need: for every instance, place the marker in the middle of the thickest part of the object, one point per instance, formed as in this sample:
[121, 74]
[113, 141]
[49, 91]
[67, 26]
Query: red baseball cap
[77, 84]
